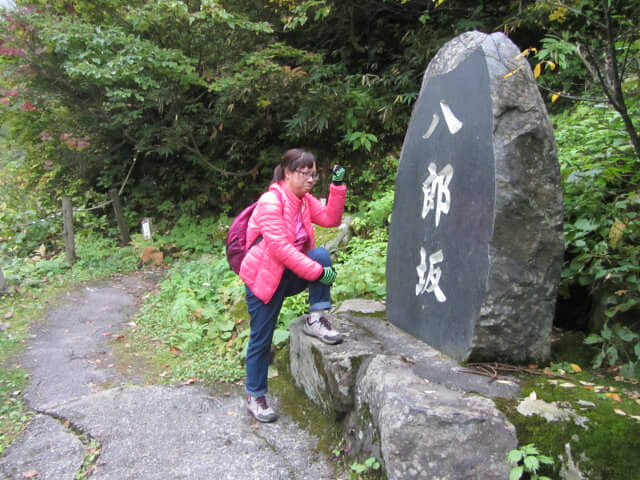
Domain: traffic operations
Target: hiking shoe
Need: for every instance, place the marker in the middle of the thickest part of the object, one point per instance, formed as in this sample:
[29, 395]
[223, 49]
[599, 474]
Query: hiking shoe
[258, 408]
[321, 329]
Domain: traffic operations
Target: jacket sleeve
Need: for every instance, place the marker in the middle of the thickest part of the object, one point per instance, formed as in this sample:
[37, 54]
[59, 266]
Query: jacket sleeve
[331, 214]
[279, 239]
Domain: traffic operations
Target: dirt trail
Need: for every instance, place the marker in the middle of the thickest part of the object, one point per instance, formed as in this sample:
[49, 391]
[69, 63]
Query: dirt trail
[142, 432]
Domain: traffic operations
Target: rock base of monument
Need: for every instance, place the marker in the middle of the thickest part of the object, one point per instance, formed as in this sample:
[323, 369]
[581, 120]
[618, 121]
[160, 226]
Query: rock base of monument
[415, 409]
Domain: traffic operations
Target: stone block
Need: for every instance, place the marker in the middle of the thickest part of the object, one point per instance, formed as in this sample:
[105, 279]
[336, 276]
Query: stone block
[327, 373]
[476, 243]
[423, 430]
[404, 402]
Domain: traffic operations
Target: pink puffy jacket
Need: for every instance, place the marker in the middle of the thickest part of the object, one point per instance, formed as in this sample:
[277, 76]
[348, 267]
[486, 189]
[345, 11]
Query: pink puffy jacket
[262, 267]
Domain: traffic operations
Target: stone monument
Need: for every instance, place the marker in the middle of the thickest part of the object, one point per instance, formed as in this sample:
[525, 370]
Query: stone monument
[475, 243]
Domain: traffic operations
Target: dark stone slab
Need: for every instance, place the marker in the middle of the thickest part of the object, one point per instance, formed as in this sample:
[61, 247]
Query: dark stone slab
[475, 245]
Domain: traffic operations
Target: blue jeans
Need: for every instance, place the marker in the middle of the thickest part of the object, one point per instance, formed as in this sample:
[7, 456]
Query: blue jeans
[265, 315]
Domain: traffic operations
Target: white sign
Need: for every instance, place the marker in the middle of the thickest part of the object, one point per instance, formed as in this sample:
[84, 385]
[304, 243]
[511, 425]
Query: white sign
[146, 228]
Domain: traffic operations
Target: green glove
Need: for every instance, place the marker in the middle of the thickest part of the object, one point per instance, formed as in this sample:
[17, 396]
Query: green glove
[328, 276]
[338, 174]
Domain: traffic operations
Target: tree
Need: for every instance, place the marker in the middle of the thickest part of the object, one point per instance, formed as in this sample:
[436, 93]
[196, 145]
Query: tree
[604, 35]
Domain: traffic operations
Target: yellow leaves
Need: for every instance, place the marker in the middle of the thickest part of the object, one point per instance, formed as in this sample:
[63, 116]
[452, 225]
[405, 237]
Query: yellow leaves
[613, 396]
[555, 97]
[616, 232]
[537, 70]
[575, 367]
[513, 72]
[263, 102]
[526, 52]
[294, 72]
[559, 15]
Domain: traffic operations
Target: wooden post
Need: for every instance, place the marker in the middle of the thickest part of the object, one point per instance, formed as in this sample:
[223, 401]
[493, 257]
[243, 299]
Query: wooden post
[3, 283]
[122, 224]
[67, 219]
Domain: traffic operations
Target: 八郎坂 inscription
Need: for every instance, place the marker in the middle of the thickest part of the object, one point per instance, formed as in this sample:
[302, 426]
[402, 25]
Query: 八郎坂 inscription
[442, 216]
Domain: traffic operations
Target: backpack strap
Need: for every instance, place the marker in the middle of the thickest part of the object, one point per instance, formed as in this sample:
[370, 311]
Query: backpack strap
[280, 198]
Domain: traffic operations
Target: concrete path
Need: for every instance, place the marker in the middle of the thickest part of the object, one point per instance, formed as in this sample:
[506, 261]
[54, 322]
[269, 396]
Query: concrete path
[86, 407]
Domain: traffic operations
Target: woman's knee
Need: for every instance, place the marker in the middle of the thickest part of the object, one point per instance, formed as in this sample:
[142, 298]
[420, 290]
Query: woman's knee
[320, 255]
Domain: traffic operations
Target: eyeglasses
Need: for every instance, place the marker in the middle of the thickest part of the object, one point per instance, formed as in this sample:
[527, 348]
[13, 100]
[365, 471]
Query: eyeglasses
[308, 175]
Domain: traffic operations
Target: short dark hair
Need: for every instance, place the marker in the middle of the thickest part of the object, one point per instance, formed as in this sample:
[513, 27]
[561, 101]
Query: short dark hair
[293, 160]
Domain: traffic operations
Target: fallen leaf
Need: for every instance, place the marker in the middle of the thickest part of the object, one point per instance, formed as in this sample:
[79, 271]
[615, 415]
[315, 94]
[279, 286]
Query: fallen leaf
[587, 384]
[637, 419]
[620, 412]
[613, 396]
[227, 394]
[567, 385]
[30, 474]
[575, 367]
[190, 381]
[533, 366]
[230, 413]
[175, 350]
[7, 315]
[255, 426]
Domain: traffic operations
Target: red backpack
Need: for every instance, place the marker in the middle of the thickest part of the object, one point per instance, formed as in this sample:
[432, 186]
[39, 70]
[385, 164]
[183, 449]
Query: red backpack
[235, 244]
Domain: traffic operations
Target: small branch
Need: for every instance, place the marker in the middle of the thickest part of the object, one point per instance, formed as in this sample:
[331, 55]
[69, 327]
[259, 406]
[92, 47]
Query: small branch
[573, 97]
[492, 370]
[195, 150]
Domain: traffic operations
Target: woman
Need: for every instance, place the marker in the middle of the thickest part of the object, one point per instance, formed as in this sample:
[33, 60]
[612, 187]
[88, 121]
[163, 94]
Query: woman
[282, 261]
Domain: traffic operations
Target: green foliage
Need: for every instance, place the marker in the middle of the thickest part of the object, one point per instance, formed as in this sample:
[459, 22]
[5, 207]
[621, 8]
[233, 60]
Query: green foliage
[602, 229]
[528, 461]
[361, 268]
[13, 411]
[363, 470]
[617, 345]
[602, 37]
[197, 313]
[208, 96]
[100, 256]
[361, 140]
[194, 237]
